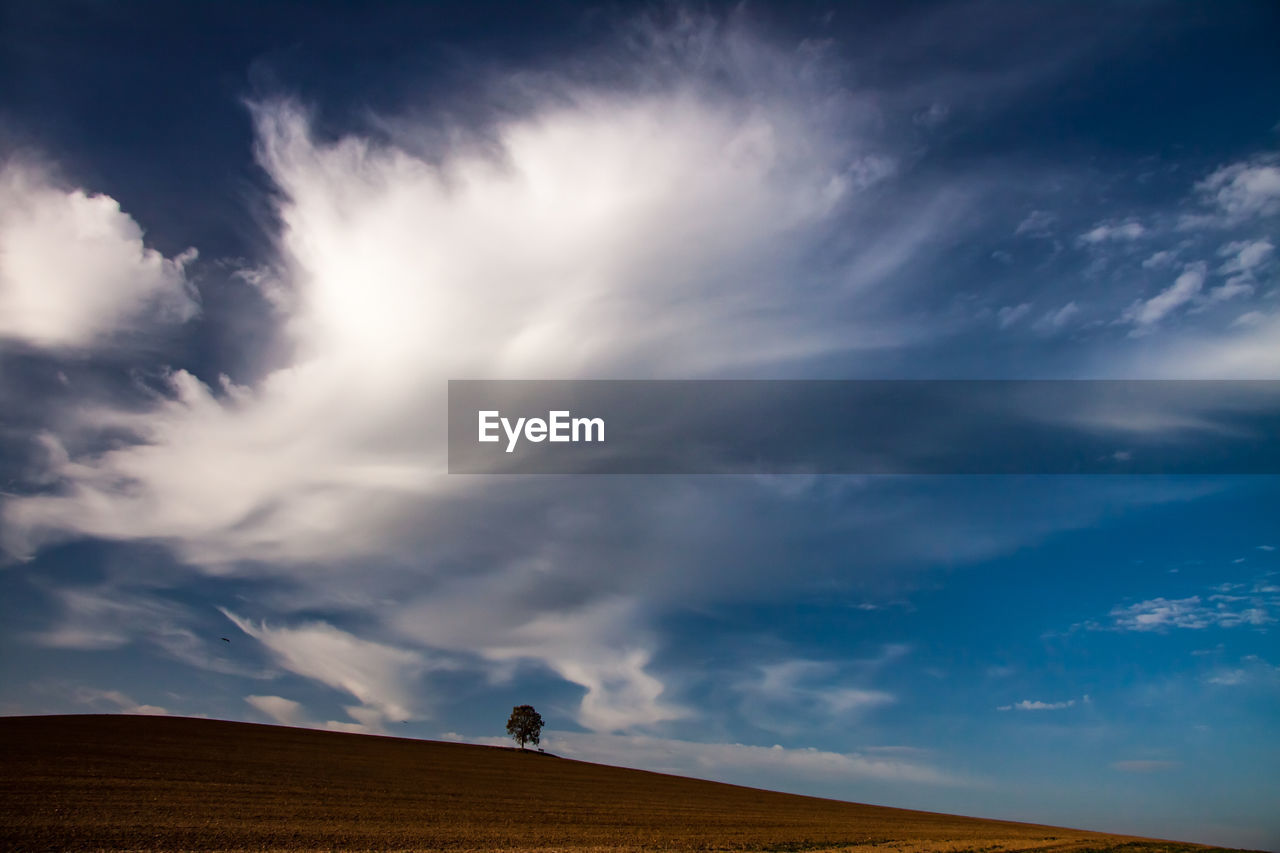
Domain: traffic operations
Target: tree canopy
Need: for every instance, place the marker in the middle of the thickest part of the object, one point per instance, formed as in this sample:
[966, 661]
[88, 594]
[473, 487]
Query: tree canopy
[525, 725]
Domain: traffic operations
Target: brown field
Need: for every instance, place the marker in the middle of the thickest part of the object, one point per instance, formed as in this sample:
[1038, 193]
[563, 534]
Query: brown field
[162, 783]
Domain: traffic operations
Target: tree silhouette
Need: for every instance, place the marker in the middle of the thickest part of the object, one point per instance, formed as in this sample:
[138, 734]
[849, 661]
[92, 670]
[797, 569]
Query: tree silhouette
[525, 725]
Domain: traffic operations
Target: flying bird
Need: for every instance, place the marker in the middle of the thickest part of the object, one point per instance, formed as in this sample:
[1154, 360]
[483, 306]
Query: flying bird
[224, 639]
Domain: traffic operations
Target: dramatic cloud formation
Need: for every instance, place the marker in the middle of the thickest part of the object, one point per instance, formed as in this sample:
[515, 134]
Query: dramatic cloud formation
[627, 231]
[675, 217]
[677, 195]
[74, 271]
[602, 646]
[380, 676]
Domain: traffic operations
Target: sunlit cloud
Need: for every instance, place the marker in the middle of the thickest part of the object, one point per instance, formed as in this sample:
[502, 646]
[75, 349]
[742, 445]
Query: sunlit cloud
[75, 271]
[381, 677]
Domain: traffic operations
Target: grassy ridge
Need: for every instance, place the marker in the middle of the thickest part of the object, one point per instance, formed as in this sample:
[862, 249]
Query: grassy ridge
[160, 783]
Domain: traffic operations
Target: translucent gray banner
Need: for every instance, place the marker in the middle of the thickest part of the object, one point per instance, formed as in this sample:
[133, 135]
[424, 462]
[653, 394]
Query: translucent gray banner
[864, 427]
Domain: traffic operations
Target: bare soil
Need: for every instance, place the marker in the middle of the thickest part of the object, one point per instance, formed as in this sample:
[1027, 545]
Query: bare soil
[163, 783]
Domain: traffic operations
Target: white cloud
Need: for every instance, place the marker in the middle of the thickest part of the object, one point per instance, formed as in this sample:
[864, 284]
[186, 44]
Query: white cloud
[1011, 314]
[793, 696]
[1038, 223]
[380, 676]
[1219, 611]
[1244, 258]
[1249, 318]
[1233, 197]
[1236, 286]
[1058, 318]
[1160, 260]
[1035, 705]
[600, 646]
[1144, 314]
[1253, 670]
[116, 700]
[102, 618]
[287, 712]
[284, 711]
[598, 233]
[74, 271]
[1229, 678]
[1244, 255]
[810, 684]
[657, 230]
[1248, 349]
[1111, 232]
[1239, 192]
[654, 232]
[92, 620]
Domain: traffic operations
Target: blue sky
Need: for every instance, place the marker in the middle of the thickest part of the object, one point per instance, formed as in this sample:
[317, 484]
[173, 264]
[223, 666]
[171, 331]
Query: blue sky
[242, 249]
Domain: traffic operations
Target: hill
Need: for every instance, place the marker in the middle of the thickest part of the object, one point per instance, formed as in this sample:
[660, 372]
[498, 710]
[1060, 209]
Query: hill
[163, 783]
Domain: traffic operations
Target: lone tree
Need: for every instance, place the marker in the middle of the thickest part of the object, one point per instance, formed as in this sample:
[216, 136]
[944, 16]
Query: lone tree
[525, 725]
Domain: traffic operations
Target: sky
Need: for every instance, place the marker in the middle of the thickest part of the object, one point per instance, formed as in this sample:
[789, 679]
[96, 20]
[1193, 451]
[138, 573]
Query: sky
[243, 248]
